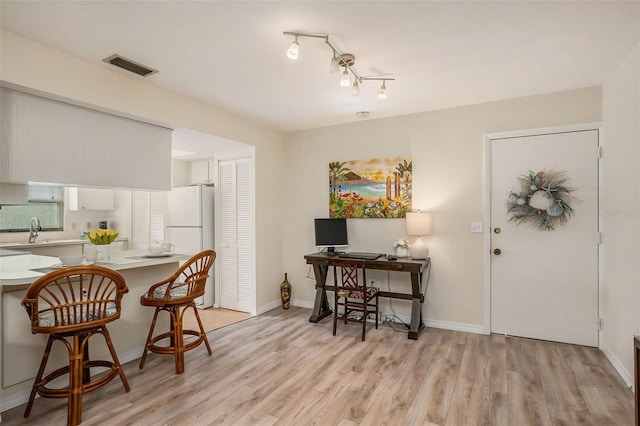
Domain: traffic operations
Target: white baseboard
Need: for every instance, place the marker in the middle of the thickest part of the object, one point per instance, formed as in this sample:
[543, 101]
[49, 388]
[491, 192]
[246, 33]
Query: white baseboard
[15, 400]
[265, 308]
[456, 326]
[626, 376]
[278, 304]
[302, 303]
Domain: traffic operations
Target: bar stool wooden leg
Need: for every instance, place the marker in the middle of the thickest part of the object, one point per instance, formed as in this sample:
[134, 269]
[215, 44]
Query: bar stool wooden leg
[149, 339]
[116, 361]
[178, 340]
[76, 358]
[36, 382]
[203, 334]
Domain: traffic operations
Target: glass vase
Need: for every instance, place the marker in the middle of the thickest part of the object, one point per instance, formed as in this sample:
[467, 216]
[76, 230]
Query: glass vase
[402, 251]
[104, 252]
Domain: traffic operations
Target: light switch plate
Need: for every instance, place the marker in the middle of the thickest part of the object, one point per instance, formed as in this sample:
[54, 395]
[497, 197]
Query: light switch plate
[476, 227]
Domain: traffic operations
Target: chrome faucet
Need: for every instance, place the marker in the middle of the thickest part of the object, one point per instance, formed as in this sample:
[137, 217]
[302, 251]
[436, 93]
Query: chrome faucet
[34, 227]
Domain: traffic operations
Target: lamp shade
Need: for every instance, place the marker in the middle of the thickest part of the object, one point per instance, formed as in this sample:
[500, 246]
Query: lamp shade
[418, 223]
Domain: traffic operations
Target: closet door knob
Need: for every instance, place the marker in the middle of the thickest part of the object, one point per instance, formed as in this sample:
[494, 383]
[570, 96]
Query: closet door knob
[497, 252]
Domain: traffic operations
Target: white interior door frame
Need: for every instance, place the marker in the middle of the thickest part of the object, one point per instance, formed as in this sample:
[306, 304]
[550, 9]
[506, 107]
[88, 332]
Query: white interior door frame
[487, 138]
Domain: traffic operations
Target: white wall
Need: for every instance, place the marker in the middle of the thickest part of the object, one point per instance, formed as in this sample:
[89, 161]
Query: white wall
[447, 151]
[40, 68]
[621, 212]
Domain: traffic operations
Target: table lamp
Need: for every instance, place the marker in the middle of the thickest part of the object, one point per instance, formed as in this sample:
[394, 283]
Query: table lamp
[419, 224]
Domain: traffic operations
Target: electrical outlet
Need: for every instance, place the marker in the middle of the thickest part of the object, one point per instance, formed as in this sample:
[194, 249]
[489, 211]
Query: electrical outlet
[476, 227]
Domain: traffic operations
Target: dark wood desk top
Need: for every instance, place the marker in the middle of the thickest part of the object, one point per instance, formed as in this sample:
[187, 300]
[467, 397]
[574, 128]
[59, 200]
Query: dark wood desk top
[405, 264]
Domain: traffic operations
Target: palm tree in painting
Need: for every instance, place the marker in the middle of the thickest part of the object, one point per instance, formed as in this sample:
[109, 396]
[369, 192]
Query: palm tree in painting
[405, 169]
[337, 172]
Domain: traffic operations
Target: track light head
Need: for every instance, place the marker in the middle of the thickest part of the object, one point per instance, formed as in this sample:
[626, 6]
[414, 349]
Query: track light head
[334, 68]
[293, 50]
[344, 80]
[382, 92]
[355, 89]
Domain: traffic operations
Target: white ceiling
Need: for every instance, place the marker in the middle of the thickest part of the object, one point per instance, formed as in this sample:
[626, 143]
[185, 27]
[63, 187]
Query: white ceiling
[442, 53]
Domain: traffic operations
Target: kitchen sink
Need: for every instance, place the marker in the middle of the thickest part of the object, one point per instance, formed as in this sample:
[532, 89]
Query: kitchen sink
[35, 242]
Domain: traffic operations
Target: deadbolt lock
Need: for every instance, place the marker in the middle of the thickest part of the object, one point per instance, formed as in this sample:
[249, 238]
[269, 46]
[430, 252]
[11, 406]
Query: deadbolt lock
[497, 252]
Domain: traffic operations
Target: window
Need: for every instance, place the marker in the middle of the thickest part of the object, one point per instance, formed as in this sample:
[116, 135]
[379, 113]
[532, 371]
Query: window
[46, 202]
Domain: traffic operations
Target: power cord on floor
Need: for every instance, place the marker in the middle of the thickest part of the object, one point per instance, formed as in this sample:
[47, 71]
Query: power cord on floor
[394, 319]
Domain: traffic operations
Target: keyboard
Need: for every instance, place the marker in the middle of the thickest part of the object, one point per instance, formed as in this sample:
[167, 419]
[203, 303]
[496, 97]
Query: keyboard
[359, 255]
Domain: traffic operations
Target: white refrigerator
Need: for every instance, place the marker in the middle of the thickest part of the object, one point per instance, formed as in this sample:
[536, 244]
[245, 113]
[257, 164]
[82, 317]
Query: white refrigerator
[190, 227]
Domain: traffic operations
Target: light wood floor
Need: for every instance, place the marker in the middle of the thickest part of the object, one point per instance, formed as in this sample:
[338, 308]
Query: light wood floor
[277, 368]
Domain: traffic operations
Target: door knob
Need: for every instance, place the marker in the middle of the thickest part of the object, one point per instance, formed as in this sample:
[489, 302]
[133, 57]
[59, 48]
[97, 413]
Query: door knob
[497, 252]
[497, 230]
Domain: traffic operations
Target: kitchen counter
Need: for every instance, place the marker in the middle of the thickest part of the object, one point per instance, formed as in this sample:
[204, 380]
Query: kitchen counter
[18, 272]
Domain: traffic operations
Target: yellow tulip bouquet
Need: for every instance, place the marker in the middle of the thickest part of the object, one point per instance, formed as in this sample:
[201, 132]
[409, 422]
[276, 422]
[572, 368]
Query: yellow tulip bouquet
[102, 236]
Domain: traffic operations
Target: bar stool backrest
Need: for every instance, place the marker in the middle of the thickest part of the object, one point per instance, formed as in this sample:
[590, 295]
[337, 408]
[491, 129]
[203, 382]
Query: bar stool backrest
[74, 298]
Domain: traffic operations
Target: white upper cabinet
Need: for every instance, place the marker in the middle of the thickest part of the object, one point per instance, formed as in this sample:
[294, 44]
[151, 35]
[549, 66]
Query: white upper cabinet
[202, 172]
[50, 141]
[91, 199]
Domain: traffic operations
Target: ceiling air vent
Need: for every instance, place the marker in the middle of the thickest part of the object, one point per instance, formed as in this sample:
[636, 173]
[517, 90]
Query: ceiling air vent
[129, 65]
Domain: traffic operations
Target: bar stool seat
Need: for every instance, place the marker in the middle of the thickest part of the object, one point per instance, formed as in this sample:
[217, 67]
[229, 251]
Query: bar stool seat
[71, 306]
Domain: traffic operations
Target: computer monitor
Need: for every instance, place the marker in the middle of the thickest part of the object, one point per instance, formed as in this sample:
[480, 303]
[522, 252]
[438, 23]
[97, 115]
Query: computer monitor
[331, 233]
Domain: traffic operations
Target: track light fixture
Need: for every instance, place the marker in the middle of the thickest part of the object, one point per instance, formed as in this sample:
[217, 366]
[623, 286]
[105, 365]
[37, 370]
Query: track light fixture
[338, 60]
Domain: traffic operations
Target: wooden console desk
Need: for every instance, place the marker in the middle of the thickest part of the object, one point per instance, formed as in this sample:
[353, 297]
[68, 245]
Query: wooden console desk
[416, 268]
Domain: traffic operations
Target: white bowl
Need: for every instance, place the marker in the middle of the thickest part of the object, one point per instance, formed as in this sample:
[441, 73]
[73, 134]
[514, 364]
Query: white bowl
[71, 260]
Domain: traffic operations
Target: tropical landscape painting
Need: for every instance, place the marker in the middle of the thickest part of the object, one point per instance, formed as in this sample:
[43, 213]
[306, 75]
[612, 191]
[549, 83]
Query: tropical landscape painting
[375, 188]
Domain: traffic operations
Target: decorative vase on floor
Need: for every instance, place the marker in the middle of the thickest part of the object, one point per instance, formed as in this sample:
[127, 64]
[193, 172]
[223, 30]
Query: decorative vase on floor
[104, 252]
[285, 292]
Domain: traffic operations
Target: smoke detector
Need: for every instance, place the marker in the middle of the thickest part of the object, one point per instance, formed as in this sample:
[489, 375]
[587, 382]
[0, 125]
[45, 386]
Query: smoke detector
[362, 114]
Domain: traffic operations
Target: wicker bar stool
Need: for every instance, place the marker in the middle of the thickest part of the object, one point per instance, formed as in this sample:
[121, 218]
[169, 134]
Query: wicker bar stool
[71, 306]
[175, 295]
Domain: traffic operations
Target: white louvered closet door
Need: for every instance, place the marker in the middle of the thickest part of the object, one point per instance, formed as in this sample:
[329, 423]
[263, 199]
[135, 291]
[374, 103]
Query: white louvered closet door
[235, 256]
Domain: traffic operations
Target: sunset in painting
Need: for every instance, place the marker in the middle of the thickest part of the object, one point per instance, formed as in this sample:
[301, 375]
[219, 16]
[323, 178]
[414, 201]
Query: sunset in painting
[375, 188]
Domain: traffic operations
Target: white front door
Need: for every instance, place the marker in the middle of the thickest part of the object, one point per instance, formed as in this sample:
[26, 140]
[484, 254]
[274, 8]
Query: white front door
[544, 283]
